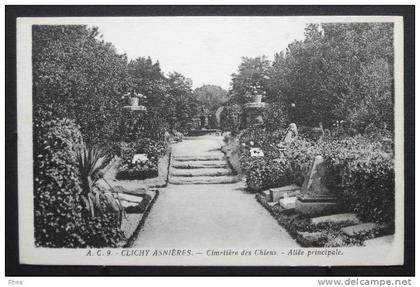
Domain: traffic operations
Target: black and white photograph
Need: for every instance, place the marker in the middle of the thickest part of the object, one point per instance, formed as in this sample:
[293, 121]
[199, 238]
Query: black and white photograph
[211, 141]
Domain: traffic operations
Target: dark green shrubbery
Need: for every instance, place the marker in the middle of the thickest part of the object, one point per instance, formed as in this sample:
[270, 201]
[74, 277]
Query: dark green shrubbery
[135, 126]
[275, 117]
[230, 118]
[258, 137]
[153, 149]
[61, 219]
[58, 212]
[364, 177]
[140, 170]
[359, 172]
[265, 173]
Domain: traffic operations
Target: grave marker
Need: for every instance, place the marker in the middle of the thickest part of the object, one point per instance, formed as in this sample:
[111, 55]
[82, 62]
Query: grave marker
[314, 196]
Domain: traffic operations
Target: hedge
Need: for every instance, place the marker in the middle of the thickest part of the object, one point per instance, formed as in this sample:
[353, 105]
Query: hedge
[59, 216]
[230, 118]
[359, 172]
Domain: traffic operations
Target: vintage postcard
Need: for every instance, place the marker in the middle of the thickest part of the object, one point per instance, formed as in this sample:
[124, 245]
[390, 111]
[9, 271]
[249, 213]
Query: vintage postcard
[211, 141]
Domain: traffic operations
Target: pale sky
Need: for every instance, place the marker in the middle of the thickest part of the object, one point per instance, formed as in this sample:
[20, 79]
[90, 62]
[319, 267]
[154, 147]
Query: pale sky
[205, 49]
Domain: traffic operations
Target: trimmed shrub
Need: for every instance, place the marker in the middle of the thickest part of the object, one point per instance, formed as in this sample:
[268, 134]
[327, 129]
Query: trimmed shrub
[140, 170]
[265, 173]
[153, 149]
[300, 154]
[57, 208]
[61, 219]
[135, 126]
[230, 118]
[359, 172]
[275, 117]
[364, 176]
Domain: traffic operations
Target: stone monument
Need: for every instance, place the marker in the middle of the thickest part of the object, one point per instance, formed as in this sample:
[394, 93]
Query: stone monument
[314, 196]
[253, 111]
[292, 132]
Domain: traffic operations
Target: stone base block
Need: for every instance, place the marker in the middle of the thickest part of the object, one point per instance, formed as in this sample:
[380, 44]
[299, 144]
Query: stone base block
[337, 218]
[288, 202]
[315, 207]
[284, 191]
[267, 195]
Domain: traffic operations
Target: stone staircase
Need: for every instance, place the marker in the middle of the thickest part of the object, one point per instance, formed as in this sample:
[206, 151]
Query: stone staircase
[202, 168]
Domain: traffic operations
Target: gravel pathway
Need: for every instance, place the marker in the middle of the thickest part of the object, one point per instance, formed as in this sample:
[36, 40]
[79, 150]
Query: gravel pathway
[209, 215]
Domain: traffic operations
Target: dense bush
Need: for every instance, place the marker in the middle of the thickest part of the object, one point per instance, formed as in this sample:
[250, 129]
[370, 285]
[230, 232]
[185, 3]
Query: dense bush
[266, 140]
[135, 126]
[339, 71]
[258, 137]
[364, 177]
[140, 170]
[275, 117]
[78, 76]
[58, 213]
[230, 118]
[265, 173]
[359, 172]
[60, 217]
[153, 149]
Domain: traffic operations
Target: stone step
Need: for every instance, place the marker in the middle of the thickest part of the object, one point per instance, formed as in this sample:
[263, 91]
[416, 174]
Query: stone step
[203, 180]
[199, 164]
[364, 228]
[200, 172]
[288, 202]
[199, 157]
[350, 218]
[284, 191]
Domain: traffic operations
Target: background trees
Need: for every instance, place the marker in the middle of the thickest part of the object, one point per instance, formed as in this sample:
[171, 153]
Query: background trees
[339, 72]
[252, 77]
[211, 96]
[78, 76]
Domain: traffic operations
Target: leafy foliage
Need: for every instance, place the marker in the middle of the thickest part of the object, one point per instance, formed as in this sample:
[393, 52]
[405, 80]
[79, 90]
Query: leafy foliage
[77, 76]
[339, 72]
[211, 96]
[265, 173]
[140, 170]
[252, 78]
[275, 117]
[359, 171]
[91, 161]
[230, 118]
[61, 217]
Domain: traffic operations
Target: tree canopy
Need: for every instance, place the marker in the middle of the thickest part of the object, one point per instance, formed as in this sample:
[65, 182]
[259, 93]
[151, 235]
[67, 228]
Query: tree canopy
[339, 72]
[211, 96]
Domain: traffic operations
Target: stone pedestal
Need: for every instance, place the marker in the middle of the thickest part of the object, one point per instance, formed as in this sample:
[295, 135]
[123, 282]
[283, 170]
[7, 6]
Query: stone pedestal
[314, 196]
[133, 102]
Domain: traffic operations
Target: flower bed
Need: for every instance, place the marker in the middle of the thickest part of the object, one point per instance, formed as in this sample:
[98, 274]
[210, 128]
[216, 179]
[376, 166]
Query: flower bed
[360, 172]
[140, 170]
[137, 170]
